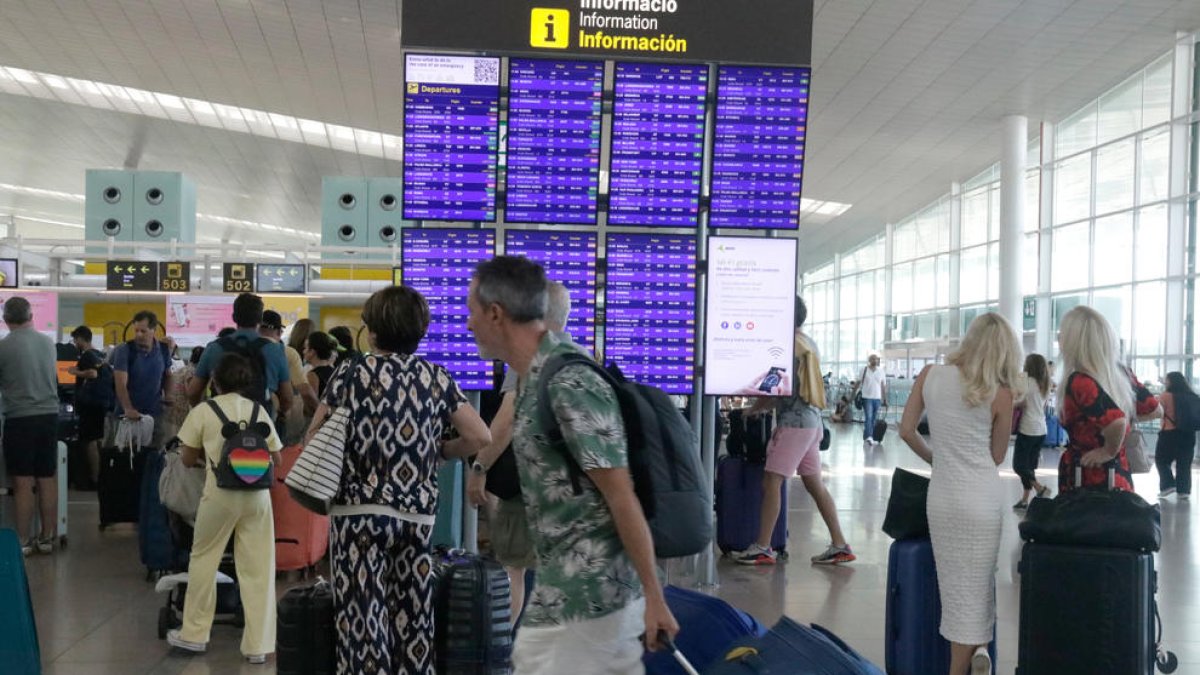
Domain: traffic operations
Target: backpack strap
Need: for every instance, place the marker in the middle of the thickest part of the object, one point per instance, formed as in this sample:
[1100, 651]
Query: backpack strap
[220, 413]
[545, 410]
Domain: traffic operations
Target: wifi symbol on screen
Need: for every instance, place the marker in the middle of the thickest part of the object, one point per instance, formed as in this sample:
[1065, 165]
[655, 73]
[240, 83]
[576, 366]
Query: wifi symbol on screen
[775, 352]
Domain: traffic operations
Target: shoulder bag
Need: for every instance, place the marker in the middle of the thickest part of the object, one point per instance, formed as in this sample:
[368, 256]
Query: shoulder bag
[316, 477]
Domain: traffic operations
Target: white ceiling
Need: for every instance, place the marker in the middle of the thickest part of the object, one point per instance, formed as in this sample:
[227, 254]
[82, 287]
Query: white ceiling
[907, 95]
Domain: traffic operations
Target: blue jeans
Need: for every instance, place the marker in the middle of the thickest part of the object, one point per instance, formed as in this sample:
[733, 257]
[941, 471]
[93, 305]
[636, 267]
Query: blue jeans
[871, 409]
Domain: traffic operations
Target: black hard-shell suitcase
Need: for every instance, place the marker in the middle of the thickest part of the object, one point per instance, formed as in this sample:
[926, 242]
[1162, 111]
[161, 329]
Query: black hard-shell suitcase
[879, 431]
[749, 436]
[472, 616]
[119, 489]
[305, 636]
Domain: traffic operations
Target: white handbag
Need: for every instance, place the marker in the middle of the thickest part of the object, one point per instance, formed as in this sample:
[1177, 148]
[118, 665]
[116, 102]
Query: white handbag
[180, 487]
[317, 474]
[1136, 452]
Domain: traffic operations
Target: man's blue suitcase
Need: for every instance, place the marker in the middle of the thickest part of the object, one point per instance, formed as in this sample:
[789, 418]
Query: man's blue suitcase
[19, 650]
[793, 649]
[156, 545]
[913, 643]
[708, 626]
[739, 500]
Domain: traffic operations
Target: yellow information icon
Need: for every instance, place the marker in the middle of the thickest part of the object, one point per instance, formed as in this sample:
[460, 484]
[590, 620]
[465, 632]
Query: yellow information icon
[414, 87]
[550, 28]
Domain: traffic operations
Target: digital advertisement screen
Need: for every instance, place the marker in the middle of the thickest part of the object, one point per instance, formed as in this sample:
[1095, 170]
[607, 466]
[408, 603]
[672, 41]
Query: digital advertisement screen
[758, 147]
[570, 259]
[451, 137]
[657, 144]
[44, 307]
[650, 308]
[749, 336]
[8, 273]
[439, 263]
[195, 320]
[553, 141]
[272, 278]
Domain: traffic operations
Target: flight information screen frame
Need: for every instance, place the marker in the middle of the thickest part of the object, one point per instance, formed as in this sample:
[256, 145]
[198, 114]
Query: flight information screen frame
[448, 299]
[644, 285]
[583, 303]
[470, 148]
[546, 122]
[628, 194]
[757, 170]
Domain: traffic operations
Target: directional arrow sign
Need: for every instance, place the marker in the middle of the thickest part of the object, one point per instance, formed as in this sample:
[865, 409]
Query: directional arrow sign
[131, 275]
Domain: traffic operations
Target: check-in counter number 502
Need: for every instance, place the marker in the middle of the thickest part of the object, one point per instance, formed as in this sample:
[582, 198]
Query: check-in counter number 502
[239, 277]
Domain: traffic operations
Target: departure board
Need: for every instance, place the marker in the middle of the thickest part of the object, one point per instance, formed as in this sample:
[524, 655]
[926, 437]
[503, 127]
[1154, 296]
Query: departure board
[650, 308]
[758, 147]
[553, 141]
[657, 144]
[568, 258]
[439, 263]
[451, 137]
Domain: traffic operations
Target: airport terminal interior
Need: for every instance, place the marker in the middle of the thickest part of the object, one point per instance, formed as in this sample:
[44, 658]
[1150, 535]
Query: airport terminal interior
[686, 169]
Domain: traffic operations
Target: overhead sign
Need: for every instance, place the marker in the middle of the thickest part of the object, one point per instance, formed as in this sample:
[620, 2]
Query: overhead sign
[8, 273]
[175, 276]
[397, 276]
[132, 275]
[775, 32]
[238, 277]
[750, 332]
[280, 278]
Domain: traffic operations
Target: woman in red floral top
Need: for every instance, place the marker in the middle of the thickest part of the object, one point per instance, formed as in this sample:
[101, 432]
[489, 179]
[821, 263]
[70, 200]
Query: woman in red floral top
[1096, 400]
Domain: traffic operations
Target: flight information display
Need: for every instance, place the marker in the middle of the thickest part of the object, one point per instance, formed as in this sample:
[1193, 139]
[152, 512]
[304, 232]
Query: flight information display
[451, 137]
[553, 141]
[657, 144]
[570, 259]
[650, 308]
[439, 263]
[758, 147]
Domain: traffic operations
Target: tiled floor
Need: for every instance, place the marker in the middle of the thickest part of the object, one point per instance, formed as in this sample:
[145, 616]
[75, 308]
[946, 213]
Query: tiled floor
[97, 614]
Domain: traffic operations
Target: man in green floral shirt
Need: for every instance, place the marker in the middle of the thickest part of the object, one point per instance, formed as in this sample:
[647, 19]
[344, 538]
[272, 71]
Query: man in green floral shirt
[595, 554]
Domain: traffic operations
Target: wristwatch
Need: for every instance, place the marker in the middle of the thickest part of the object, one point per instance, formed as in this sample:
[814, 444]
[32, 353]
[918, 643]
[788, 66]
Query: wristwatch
[478, 467]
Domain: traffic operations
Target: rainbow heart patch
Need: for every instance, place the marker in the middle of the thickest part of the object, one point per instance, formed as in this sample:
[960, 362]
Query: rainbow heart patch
[249, 465]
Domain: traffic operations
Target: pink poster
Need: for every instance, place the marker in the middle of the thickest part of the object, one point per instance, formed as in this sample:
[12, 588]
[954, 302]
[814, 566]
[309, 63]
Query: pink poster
[195, 320]
[44, 305]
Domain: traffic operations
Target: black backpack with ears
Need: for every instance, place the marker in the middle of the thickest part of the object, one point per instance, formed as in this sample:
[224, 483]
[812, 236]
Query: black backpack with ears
[245, 458]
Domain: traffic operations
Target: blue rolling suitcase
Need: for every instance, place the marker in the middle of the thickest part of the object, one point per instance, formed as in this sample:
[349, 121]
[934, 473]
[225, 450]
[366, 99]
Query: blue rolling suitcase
[913, 644]
[155, 543]
[19, 651]
[708, 626]
[793, 649]
[739, 498]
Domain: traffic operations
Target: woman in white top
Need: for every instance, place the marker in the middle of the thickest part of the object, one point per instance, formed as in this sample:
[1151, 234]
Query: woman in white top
[1031, 431]
[969, 404]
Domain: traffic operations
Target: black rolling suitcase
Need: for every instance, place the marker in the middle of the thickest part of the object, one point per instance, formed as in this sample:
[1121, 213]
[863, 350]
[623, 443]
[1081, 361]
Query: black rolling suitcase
[472, 616]
[1089, 608]
[305, 636]
[120, 485]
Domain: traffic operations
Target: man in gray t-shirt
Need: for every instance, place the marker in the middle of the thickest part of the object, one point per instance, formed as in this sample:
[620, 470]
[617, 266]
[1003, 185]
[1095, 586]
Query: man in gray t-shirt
[29, 388]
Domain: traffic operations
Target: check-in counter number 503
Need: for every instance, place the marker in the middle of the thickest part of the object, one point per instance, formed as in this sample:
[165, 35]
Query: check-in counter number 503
[174, 285]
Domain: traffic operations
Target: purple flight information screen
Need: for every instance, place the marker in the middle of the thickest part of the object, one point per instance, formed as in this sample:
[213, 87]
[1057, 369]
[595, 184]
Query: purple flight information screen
[451, 137]
[439, 263]
[758, 147]
[650, 308]
[553, 141]
[657, 144]
[570, 259]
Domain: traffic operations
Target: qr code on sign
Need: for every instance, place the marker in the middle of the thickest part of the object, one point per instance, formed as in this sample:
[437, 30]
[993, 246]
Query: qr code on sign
[487, 71]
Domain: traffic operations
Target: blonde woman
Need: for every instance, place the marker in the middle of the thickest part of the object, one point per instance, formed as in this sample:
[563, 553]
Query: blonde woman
[1096, 401]
[969, 404]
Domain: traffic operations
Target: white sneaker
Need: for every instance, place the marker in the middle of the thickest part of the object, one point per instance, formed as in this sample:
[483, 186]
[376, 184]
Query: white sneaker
[174, 640]
[1185, 495]
[981, 662]
[1166, 493]
[256, 659]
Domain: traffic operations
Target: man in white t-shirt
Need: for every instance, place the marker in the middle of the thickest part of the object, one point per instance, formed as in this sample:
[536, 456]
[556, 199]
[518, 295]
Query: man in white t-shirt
[873, 385]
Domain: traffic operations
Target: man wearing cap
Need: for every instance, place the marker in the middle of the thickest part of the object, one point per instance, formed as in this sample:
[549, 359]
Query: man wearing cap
[247, 316]
[272, 329]
[29, 387]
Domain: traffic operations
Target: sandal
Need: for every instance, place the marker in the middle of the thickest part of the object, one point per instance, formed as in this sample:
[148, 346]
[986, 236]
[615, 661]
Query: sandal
[1044, 492]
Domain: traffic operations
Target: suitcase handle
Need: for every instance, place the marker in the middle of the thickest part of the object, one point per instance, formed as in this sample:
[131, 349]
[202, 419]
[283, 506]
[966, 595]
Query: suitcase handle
[893, 603]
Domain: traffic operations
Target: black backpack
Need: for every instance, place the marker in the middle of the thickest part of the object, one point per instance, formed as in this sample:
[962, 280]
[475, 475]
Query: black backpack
[245, 458]
[252, 350]
[98, 392]
[664, 458]
[1187, 412]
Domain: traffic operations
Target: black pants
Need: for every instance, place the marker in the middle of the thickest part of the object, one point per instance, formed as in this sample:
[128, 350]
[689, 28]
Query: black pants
[1178, 447]
[1027, 451]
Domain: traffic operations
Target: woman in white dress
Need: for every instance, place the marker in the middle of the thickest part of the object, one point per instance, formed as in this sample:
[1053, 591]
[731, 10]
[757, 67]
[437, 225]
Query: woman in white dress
[969, 404]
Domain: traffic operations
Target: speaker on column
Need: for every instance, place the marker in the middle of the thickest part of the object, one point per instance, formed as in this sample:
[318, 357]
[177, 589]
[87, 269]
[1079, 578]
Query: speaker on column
[107, 207]
[383, 212]
[344, 211]
[164, 207]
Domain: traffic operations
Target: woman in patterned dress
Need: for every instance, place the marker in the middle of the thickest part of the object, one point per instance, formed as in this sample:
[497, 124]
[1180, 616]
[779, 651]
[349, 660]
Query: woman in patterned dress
[383, 514]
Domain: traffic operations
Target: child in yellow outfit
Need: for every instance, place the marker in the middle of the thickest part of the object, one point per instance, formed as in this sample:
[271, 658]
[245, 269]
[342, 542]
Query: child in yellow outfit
[224, 512]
